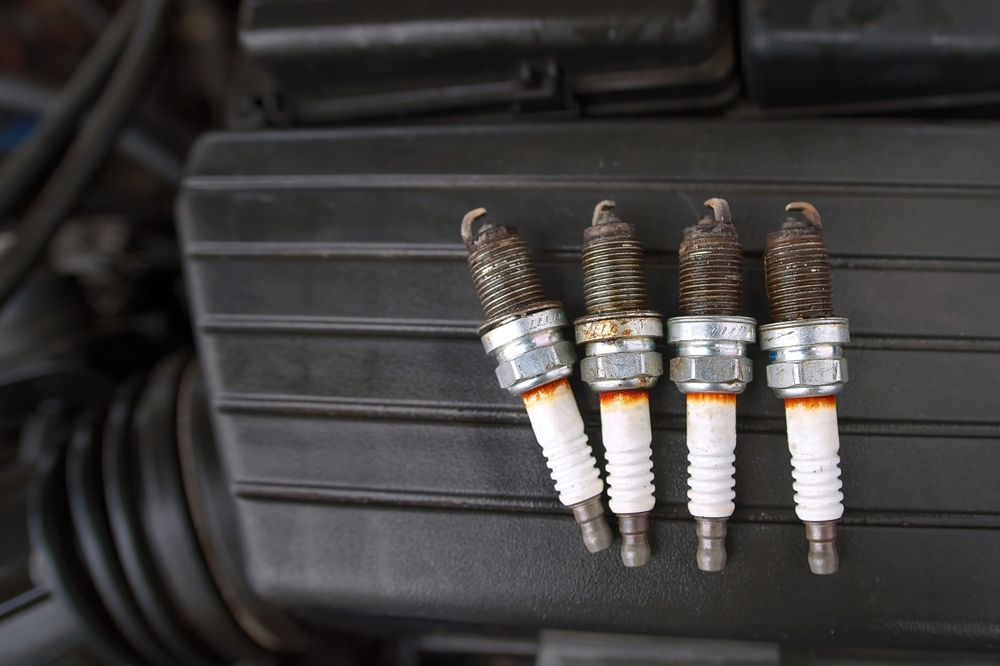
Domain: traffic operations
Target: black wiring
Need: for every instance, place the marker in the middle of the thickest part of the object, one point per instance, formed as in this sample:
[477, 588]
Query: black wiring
[57, 123]
[88, 149]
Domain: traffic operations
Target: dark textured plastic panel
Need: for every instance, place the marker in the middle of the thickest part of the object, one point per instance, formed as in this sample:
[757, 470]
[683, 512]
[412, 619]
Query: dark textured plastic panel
[386, 558]
[878, 470]
[813, 52]
[381, 471]
[390, 51]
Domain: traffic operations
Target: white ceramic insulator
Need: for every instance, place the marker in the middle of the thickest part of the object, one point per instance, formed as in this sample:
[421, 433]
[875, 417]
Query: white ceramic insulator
[555, 418]
[814, 443]
[711, 440]
[627, 436]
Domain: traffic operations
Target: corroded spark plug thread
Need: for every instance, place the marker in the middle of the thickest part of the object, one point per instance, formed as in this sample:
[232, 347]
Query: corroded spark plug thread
[711, 367]
[619, 335]
[523, 331]
[614, 275]
[797, 268]
[711, 267]
[807, 370]
[503, 273]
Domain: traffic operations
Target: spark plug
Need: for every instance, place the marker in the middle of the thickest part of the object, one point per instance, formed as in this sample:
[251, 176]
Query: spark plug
[711, 368]
[523, 331]
[807, 369]
[619, 336]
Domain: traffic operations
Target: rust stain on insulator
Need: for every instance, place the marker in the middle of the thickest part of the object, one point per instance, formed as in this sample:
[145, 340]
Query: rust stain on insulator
[625, 397]
[817, 402]
[711, 266]
[614, 277]
[797, 268]
[503, 271]
[712, 398]
[544, 392]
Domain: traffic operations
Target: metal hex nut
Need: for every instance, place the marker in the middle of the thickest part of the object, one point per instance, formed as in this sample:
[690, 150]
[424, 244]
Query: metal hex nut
[540, 362]
[808, 374]
[735, 370]
[621, 365]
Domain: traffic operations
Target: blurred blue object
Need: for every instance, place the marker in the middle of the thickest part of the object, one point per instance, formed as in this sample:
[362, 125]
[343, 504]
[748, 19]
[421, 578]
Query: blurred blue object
[14, 131]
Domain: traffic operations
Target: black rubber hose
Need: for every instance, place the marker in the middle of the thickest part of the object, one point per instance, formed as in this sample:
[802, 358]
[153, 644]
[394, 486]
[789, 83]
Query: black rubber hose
[59, 120]
[87, 151]
[132, 143]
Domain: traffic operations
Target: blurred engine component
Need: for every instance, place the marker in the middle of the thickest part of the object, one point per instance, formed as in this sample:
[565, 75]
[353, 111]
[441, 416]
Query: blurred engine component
[336, 61]
[857, 56]
[134, 531]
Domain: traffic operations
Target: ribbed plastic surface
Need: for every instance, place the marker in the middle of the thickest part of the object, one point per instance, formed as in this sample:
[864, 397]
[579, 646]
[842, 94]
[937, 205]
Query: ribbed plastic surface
[814, 52]
[380, 470]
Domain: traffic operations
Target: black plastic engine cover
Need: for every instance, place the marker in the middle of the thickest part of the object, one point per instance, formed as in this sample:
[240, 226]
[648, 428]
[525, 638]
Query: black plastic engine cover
[380, 470]
[333, 60]
[816, 52]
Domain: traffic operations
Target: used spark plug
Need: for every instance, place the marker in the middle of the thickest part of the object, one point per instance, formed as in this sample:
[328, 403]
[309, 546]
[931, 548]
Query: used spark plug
[523, 332]
[619, 335]
[807, 370]
[712, 368]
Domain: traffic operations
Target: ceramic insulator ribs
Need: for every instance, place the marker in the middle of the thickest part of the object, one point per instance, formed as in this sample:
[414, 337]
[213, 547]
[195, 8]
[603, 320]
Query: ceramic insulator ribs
[711, 440]
[555, 418]
[814, 443]
[627, 435]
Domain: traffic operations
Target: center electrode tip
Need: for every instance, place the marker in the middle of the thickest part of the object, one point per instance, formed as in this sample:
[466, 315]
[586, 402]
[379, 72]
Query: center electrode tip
[720, 208]
[808, 211]
[711, 532]
[467, 221]
[603, 213]
[822, 537]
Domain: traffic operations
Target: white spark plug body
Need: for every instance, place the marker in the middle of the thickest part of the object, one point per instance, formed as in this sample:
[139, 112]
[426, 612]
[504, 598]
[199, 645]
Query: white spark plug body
[534, 362]
[711, 367]
[523, 332]
[807, 370]
[619, 337]
[628, 435]
[711, 442]
[814, 442]
[555, 418]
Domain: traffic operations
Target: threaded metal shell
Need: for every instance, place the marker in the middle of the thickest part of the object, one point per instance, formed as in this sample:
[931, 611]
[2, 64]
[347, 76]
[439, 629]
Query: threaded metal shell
[614, 276]
[711, 270]
[797, 268]
[504, 273]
